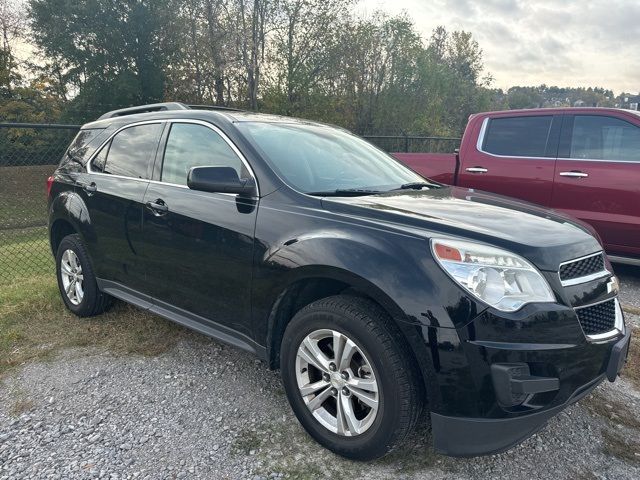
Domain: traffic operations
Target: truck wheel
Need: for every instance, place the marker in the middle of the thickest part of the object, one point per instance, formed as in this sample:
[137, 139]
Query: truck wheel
[76, 280]
[349, 377]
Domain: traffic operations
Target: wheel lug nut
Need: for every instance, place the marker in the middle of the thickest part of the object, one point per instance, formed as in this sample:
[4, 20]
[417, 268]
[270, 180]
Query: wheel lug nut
[332, 367]
[344, 375]
[346, 392]
[326, 377]
[334, 391]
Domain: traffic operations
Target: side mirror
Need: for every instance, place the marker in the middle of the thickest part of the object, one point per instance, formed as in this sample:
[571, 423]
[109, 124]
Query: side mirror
[220, 180]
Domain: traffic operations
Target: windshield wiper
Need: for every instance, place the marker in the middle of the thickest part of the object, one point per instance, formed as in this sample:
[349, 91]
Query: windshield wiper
[418, 186]
[345, 192]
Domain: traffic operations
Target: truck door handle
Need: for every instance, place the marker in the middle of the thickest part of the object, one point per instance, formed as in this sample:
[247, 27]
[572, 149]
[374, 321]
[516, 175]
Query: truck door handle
[574, 174]
[477, 170]
[158, 207]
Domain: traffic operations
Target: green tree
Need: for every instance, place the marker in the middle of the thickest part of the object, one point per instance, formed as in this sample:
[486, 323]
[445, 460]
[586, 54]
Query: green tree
[304, 49]
[11, 28]
[106, 52]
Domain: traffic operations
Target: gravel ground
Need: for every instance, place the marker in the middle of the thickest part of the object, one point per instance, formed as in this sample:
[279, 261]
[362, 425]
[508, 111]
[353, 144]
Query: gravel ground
[629, 285]
[205, 410]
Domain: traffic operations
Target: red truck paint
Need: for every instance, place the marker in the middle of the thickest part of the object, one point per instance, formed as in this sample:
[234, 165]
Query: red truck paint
[602, 192]
[49, 185]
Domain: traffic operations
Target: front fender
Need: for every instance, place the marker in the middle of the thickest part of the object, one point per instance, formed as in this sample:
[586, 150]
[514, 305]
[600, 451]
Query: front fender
[397, 270]
[367, 266]
[396, 278]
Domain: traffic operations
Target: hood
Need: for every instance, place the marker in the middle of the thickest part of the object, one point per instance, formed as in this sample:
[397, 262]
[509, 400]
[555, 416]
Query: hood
[543, 236]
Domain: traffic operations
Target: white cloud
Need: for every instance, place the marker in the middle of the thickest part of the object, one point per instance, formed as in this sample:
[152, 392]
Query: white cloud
[573, 43]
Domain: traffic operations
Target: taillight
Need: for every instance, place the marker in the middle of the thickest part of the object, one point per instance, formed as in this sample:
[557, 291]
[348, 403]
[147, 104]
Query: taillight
[49, 185]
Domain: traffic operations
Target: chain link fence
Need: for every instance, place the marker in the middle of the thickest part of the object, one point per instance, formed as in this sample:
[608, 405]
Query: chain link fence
[29, 154]
[414, 144]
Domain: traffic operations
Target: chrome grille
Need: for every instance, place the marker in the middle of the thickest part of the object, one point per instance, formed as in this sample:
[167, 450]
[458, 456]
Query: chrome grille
[598, 318]
[582, 267]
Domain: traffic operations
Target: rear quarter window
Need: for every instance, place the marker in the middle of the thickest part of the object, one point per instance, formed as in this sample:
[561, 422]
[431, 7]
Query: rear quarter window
[518, 136]
[84, 144]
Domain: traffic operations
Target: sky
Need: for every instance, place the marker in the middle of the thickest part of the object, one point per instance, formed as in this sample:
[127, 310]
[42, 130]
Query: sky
[577, 43]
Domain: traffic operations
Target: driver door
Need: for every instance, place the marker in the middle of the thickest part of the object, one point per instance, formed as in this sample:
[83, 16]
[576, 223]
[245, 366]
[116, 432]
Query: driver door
[199, 245]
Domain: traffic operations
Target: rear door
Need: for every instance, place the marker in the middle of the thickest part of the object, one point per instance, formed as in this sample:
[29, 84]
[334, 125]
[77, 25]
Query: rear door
[199, 245]
[597, 177]
[514, 156]
[113, 189]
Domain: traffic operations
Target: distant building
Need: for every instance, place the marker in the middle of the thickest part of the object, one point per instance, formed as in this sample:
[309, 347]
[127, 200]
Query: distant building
[631, 102]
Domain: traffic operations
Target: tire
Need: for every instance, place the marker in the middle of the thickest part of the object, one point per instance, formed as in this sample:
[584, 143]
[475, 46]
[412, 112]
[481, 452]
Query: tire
[381, 357]
[72, 261]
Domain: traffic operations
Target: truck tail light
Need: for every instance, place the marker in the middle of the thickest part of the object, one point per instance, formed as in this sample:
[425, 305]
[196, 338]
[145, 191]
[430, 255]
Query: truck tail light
[49, 185]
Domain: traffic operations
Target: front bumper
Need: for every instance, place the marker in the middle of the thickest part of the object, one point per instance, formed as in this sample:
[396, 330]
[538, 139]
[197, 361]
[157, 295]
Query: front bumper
[463, 436]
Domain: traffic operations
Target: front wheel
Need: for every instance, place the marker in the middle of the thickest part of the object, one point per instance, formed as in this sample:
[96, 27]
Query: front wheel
[349, 377]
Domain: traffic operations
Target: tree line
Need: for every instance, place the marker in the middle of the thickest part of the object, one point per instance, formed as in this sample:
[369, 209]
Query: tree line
[308, 58]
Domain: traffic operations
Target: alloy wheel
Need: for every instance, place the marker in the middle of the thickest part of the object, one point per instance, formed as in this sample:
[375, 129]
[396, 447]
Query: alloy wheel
[337, 382]
[72, 277]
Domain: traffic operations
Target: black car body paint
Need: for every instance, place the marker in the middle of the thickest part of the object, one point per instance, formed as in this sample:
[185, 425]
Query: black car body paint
[230, 266]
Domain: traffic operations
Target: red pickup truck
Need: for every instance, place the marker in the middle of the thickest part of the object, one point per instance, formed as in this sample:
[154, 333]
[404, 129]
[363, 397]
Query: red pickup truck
[581, 161]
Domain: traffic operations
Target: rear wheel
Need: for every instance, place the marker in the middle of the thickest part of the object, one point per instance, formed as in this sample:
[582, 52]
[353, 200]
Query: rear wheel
[349, 378]
[76, 280]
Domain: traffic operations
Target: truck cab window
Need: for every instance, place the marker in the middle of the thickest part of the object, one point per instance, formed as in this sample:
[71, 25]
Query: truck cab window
[518, 136]
[598, 137]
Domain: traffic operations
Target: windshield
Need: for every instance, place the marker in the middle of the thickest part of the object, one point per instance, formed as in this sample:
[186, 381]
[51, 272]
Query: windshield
[316, 159]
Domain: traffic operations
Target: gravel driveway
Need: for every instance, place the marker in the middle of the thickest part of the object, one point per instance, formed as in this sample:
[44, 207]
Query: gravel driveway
[205, 410]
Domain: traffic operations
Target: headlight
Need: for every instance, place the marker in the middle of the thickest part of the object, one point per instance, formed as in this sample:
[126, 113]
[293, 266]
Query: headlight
[497, 277]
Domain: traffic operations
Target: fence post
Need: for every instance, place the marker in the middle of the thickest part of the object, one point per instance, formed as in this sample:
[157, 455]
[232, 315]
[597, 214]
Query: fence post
[406, 141]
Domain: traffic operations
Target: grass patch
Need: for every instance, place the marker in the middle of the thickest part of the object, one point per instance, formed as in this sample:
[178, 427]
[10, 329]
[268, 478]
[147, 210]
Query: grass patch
[19, 403]
[309, 472]
[34, 324]
[622, 448]
[24, 248]
[247, 441]
[583, 475]
[631, 370]
[417, 454]
[300, 460]
[614, 411]
[630, 309]
[20, 406]
[24, 253]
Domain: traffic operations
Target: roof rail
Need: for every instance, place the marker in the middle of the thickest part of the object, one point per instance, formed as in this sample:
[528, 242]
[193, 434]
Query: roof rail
[213, 107]
[154, 107]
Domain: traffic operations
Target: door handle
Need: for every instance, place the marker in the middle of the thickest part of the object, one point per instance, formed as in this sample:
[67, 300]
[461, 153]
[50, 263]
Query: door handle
[158, 207]
[574, 174]
[476, 170]
[90, 188]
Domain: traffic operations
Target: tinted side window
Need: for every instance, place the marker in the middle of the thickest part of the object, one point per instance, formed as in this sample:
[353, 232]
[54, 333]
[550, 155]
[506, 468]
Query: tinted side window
[84, 144]
[518, 136]
[99, 161]
[190, 145]
[132, 149]
[604, 138]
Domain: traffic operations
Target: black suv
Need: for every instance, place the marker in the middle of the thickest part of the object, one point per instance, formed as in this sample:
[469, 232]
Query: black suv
[373, 289]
